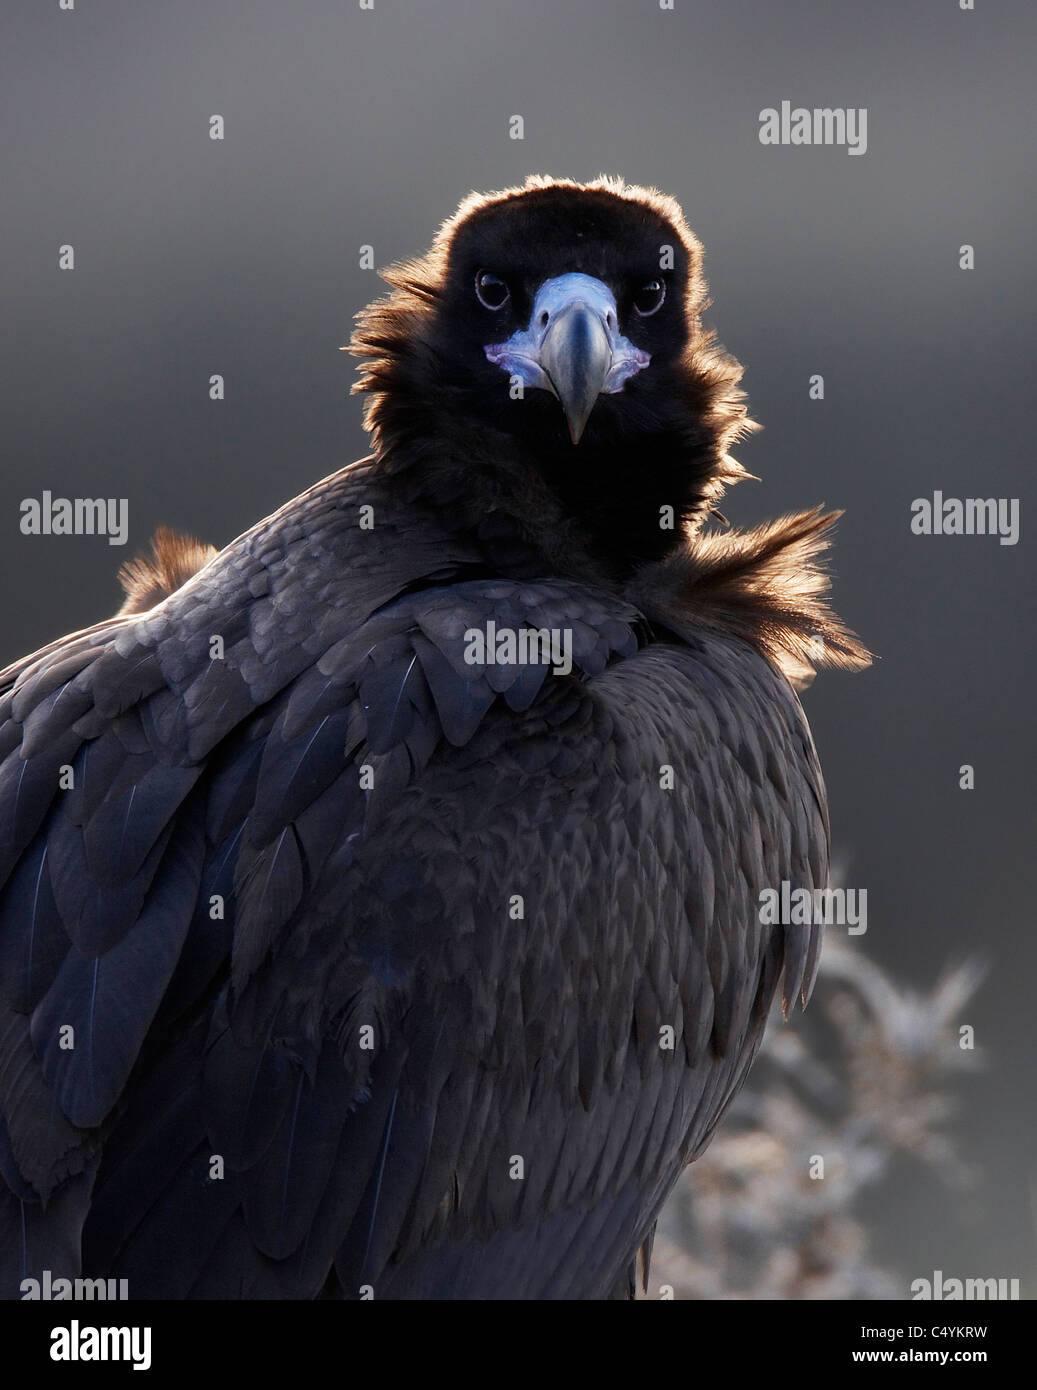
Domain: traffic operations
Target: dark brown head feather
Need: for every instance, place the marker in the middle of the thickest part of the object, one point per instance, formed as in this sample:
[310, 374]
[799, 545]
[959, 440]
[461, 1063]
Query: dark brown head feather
[390, 327]
[395, 339]
[174, 559]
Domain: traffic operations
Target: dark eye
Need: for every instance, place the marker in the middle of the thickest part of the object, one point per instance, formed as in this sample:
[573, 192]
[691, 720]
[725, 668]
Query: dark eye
[491, 290]
[649, 298]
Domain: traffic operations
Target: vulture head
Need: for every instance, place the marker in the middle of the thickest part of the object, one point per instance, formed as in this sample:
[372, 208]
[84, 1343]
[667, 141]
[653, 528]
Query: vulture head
[546, 360]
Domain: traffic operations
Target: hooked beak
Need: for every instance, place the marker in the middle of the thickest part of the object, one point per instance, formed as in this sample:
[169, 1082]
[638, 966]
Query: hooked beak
[572, 347]
[576, 357]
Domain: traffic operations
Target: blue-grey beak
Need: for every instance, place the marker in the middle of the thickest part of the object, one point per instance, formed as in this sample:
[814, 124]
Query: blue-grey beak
[572, 347]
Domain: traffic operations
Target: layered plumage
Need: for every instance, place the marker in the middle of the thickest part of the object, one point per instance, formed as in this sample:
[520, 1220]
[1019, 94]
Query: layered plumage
[390, 968]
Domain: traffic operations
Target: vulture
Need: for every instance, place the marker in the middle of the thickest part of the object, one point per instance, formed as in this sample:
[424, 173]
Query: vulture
[380, 909]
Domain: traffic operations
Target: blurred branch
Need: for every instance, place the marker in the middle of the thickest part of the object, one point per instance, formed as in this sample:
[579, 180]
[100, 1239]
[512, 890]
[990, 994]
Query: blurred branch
[866, 1076]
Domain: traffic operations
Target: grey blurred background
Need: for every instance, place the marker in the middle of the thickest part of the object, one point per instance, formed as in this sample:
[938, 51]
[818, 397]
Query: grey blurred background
[346, 127]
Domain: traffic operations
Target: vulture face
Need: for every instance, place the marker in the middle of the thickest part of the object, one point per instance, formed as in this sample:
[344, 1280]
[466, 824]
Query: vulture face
[544, 364]
[576, 299]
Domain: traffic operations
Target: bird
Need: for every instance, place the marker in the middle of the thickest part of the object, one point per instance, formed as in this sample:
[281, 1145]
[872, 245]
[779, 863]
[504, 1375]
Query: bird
[380, 892]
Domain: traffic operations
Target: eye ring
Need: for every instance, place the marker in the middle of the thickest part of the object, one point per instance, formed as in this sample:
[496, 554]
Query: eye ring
[648, 300]
[491, 291]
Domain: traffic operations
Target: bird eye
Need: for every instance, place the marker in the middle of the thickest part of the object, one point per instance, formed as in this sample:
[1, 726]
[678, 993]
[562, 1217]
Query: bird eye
[490, 290]
[649, 298]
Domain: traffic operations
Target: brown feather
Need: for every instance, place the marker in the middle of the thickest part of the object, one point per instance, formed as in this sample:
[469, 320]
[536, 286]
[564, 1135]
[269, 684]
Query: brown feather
[767, 586]
[148, 579]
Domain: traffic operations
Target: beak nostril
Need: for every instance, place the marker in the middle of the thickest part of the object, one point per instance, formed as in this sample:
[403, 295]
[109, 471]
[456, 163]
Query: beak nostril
[544, 318]
[608, 319]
